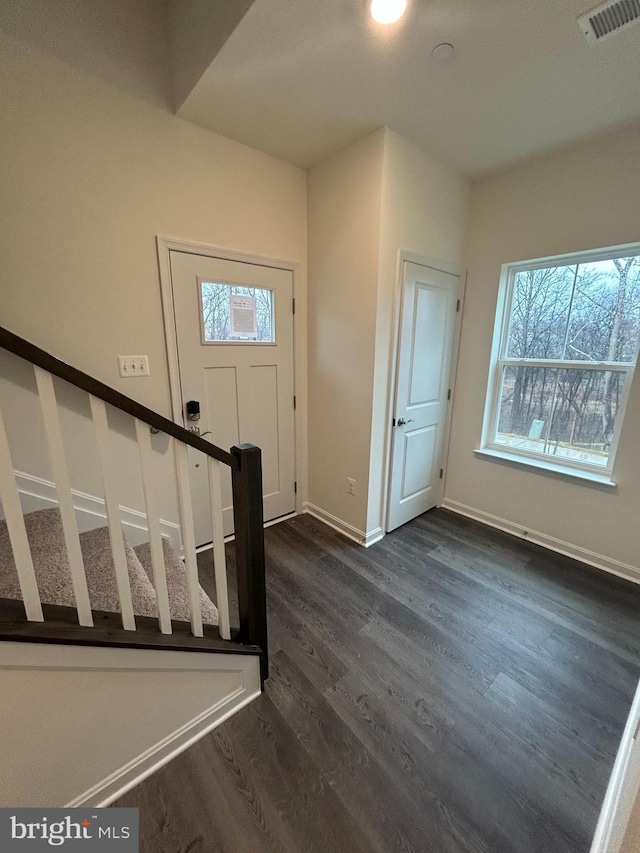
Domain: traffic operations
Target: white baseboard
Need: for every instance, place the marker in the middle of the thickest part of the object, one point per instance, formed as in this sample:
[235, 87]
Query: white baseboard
[132, 774]
[359, 536]
[126, 739]
[373, 536]
[341, 526]
[607, 564]
[336, 523]
[36, 493]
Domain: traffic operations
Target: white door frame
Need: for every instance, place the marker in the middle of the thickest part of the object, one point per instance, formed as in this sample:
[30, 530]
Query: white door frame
[165, 246]
[623, 792]
[440, 266]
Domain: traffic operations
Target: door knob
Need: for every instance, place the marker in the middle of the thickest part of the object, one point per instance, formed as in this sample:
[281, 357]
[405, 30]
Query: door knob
[402, 422]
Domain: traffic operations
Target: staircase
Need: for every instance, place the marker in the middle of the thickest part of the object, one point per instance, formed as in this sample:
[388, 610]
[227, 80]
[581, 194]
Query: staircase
[110, 648]
[45, 536]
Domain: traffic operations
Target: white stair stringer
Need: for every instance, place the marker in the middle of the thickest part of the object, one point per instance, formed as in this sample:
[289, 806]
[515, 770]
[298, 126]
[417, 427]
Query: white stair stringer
[83, 725]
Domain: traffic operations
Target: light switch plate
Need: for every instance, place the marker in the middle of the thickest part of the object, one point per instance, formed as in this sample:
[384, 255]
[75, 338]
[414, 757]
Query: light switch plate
[133, 365]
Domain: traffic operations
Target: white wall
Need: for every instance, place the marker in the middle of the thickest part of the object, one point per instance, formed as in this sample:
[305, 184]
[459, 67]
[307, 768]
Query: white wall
[344, 234]
[424, 210]
[580, 198]
[30, 454]
[631, 840]
[90, 175]
[366, 203]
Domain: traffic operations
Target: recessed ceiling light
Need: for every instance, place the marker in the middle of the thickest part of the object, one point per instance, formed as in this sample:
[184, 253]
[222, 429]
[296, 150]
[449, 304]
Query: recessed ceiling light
[387, 11]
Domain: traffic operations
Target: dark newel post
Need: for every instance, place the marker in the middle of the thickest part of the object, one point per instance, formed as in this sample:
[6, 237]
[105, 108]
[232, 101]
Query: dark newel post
[249, 533]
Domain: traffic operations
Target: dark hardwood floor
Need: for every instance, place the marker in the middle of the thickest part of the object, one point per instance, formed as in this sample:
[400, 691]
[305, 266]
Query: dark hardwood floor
[450, 689]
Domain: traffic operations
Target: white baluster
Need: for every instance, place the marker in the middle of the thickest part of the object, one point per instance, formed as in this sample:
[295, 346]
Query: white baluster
[219, 556]
[101, 425]
[153, 525]
[17, 533]
[57, 455]
[188, 536]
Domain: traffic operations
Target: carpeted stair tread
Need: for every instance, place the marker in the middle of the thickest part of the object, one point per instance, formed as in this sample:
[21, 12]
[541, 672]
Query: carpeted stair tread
[177, 584]
[51, 566]
[100, 572]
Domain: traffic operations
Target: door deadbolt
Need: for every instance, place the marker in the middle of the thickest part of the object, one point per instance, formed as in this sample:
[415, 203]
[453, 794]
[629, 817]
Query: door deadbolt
[193, 410]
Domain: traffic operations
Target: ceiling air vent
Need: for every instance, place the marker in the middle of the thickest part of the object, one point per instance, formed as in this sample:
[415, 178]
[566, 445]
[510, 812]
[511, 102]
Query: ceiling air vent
[606, 19]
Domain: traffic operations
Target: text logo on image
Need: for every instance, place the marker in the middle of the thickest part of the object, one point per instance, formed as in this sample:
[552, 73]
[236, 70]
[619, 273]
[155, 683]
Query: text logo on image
[103, 830]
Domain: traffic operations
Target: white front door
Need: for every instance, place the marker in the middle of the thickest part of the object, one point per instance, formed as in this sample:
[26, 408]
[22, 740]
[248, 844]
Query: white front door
[425, 348]
[234, 329]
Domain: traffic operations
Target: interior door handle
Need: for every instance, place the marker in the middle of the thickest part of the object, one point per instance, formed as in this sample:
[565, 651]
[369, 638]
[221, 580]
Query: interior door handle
[195, 429]
[402, 422]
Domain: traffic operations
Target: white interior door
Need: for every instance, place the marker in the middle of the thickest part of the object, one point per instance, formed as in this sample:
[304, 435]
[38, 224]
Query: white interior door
[425, 348]
[234, 329]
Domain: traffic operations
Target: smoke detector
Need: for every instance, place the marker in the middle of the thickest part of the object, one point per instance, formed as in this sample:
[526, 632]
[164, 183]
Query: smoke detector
[608, 18]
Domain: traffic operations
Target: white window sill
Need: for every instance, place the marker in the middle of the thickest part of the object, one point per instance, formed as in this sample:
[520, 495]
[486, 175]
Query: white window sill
[550, 467]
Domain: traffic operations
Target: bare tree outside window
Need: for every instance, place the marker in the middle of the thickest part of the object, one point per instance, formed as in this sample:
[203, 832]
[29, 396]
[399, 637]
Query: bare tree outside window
[216, 311]
[569, 349]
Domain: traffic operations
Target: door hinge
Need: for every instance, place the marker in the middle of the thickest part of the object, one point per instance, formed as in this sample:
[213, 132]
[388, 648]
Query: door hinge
[294, 402]
[441, 472]
[295, 487]
[449, 394]
[457, 306]
[293, 305]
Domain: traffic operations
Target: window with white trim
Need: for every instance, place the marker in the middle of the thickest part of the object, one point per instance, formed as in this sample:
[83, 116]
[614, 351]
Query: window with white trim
[565, 349]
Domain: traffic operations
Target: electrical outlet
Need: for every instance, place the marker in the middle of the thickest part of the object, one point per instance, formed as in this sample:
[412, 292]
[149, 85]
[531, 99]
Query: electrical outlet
[351, 486]
[133, 365]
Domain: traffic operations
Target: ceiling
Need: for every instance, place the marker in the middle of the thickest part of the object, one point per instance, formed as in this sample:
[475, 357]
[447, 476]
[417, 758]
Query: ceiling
[301, 79]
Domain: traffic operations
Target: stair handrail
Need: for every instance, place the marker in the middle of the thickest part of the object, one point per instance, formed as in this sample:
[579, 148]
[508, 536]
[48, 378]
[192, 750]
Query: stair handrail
[30, 352]
[245, 462]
